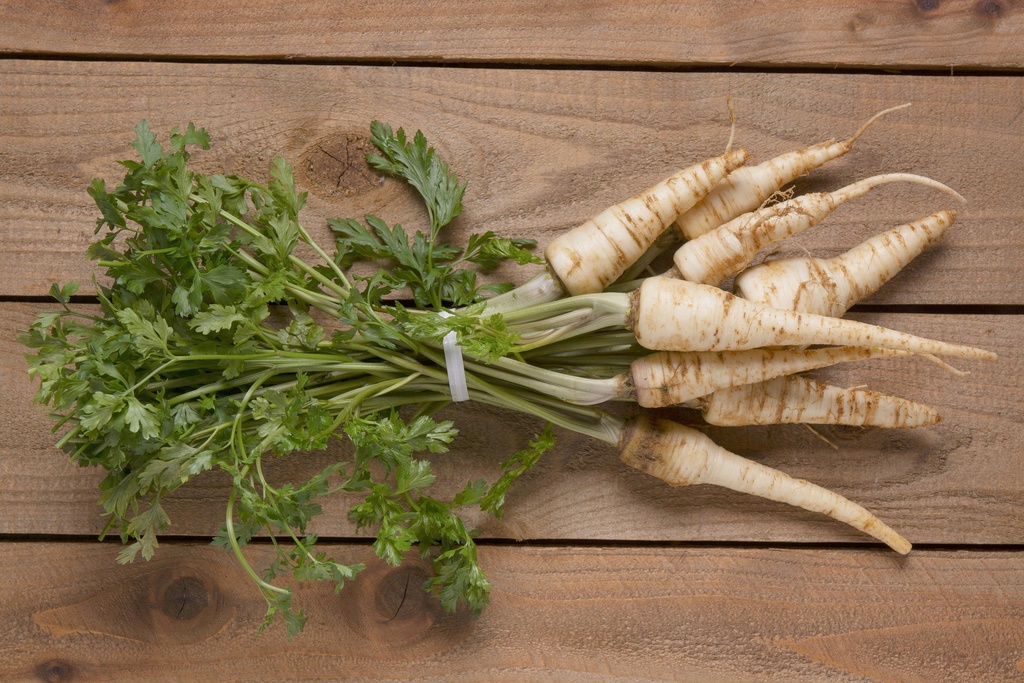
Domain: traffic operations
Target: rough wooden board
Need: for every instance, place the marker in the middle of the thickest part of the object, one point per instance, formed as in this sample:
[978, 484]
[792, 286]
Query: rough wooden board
[558, 139]
[957, 482]
[541, 150]
[701, 614]
[875, 33]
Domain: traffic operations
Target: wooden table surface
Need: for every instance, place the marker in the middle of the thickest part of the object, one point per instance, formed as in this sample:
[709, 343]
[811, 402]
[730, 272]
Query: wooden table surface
[550, 111]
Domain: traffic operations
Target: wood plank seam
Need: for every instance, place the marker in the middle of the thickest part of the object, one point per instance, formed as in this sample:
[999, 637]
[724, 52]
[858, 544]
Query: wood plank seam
[546, 65]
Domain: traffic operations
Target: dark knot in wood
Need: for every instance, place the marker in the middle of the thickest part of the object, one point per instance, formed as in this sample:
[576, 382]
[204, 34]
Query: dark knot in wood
[927, 5]
[399, 594]
[388, 605]
[185, 599]
[990, 9]
[55, 671]
[335, 166]
[185, 603]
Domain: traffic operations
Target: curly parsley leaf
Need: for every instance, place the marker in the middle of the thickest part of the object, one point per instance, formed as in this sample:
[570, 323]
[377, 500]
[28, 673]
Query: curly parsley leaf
[432, 269]
[420, 166]
[494, 500]
[146, 145]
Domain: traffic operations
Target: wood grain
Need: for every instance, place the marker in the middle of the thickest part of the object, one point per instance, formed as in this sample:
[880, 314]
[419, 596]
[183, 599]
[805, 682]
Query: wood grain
[665, 614]
[541, 150]
[555, 111]
[852, 33]
[957, 482]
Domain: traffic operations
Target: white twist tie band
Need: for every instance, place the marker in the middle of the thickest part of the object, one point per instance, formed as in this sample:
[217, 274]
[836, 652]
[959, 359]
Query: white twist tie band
[453, 361]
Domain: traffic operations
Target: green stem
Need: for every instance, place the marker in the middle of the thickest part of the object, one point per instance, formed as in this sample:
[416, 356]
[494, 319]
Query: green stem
[334, 266]
[331, 306]
[229, 523]
[605, 342]
[486, 392]
[322, 301]
[584, 327]
[281, 517]
[236, 441]
[579, 390]
[599, 303]
[539, 289]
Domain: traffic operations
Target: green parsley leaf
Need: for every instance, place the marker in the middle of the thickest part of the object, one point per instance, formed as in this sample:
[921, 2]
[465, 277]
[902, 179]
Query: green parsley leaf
[419, 165]
[216, 318]
[494, 500]
[146, 145]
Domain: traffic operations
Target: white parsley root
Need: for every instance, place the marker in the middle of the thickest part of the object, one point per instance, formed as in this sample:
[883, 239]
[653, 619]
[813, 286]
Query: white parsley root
[676, 315]
[683, 456]
[795, 399]
[592, 256]
[828, 287]
[668, 378]
[831, 286]
[748, 187]
[729, 248]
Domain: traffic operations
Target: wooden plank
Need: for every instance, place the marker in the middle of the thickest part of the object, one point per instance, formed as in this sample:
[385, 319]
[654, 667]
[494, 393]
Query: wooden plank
[541, 150]
[557, 614]
[956, 482]
[923, 33]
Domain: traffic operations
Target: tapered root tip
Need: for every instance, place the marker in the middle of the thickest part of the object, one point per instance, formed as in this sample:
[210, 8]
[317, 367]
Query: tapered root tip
[867, 124]
[884, 533]
[944, 365]
[681, 456]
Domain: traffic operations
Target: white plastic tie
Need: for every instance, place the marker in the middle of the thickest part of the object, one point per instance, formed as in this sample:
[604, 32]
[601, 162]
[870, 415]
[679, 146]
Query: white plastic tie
[453, 361]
